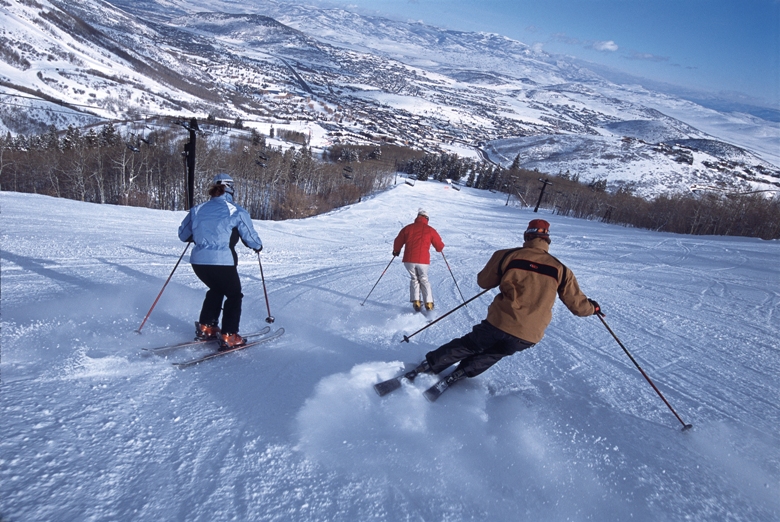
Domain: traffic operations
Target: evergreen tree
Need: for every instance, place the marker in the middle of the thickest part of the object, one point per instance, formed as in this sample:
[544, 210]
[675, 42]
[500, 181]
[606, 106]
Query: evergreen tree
[109, 135]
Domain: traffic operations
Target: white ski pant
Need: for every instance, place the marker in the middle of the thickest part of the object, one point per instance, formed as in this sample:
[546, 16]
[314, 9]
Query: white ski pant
[419, 275]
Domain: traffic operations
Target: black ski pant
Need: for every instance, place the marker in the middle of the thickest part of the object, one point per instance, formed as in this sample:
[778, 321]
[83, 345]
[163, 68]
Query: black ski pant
[223, 283]
[476, 351]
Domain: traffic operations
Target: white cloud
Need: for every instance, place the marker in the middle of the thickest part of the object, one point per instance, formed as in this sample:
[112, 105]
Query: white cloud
[635, 55]
[599, 45]
[609, 45]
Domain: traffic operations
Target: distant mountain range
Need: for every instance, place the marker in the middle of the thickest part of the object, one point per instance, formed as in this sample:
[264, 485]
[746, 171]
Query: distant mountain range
[349, 78]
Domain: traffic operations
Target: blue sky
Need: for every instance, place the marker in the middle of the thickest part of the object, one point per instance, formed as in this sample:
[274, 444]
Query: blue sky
[721, 46]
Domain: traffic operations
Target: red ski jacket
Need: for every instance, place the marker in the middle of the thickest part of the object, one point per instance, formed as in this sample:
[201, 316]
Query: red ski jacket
[418, 238]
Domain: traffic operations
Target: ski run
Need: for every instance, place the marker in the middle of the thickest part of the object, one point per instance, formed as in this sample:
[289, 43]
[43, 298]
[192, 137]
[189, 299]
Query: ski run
[95, 428]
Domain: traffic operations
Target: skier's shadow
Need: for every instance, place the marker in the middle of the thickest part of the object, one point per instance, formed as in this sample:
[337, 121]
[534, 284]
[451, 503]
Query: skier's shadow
[38, 266]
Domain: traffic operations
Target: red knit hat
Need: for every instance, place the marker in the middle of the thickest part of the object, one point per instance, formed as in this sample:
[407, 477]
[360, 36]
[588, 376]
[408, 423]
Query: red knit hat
[537, 228]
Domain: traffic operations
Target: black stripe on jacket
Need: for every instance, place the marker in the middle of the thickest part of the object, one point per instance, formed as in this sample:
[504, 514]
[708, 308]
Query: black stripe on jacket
[539, 268]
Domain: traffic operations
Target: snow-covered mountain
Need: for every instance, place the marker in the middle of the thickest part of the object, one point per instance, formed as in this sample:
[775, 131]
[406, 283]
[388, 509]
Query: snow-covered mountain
[94, 428]
[362, 79]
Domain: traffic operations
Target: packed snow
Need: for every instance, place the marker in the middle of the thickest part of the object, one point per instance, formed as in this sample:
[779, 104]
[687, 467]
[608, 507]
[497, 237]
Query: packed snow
[95, 429]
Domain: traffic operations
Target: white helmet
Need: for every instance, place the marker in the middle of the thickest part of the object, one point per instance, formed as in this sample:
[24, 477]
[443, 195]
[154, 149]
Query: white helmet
[224, 179]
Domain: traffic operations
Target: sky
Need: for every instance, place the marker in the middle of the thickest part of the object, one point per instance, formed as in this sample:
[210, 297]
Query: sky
[730, 47]
[94, 428]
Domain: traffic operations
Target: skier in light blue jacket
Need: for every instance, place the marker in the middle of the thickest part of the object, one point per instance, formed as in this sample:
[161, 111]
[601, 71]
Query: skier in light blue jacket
[215, 227]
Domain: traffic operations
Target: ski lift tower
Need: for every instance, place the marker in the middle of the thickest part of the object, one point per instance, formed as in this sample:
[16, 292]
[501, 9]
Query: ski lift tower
[189, 161]
[541, 194]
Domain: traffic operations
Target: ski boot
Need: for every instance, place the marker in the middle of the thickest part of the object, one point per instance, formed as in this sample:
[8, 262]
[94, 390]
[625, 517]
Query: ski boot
[417, 305]
[423, 367]
[228, 341]
[206, 332]
[429, 306]
[435, 391]
[455, 377]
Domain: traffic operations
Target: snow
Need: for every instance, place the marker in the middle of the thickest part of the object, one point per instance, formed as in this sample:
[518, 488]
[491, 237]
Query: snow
[95, 429]
[741, 129]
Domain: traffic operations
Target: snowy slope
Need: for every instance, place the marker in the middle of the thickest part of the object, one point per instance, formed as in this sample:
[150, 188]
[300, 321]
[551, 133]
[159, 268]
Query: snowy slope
[93, 429]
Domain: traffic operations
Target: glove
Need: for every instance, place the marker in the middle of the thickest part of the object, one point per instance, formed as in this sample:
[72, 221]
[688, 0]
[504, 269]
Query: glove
[395, 254]
[597, 308]
[258, 250]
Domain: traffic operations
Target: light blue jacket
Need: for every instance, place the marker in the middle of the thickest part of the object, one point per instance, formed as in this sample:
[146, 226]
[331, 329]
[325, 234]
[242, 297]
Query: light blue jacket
[215, 226]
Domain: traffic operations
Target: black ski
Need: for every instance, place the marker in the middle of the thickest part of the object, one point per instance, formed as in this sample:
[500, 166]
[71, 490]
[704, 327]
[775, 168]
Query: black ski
[198, 342]
[432, 393]
[276, 334]
[435, 391]
[385, 387]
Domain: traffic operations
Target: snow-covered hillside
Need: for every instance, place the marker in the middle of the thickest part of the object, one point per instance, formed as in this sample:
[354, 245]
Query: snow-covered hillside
[342, 77]
[94, 429]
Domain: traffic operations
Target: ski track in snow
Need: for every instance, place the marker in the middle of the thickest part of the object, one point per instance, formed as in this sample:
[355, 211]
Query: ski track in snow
[96, 429]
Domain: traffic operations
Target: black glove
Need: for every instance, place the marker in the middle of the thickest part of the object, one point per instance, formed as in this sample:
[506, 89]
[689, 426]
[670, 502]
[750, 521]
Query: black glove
[597, 308]
[395, 254]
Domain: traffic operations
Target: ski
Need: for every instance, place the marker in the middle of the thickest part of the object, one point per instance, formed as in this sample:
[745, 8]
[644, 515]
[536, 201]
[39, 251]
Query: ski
[432, 393]
[385, 387]
[198, 342]
[435, 391]
[183, 364]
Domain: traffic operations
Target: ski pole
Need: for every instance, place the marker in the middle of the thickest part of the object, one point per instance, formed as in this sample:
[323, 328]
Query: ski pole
[377, 281]
[685, 426]
[163, 288]
[270, 318]
[407, 337]
[453, 277]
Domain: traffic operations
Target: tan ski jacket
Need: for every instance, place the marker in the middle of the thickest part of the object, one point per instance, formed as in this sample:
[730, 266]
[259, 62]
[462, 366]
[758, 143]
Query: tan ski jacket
[529, 279]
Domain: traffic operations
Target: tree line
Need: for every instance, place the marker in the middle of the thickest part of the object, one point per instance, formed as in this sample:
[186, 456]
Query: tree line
[105, 165]
[752, 215]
